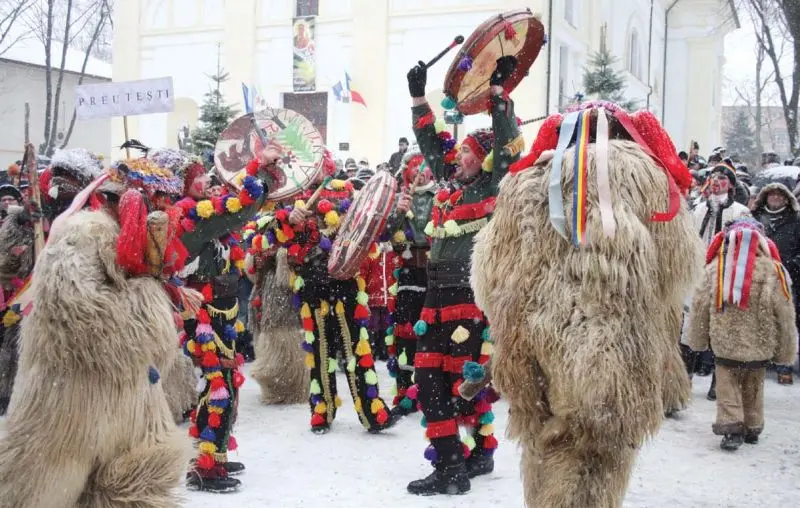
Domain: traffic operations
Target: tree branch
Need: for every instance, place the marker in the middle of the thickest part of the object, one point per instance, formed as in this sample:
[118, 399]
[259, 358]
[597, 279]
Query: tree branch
[48, 77]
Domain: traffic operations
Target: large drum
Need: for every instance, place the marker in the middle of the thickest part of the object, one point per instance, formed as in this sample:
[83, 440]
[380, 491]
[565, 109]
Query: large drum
[363, 223]
[300, 142]
[516, 33]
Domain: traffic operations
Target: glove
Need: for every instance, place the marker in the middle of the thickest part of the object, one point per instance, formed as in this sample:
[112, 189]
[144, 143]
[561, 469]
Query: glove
[504, 68]
[417, 79]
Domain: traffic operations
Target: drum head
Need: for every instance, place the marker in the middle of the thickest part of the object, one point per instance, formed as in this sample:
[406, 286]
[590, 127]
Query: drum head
[300, 142]
[493, 39]
[363, 223]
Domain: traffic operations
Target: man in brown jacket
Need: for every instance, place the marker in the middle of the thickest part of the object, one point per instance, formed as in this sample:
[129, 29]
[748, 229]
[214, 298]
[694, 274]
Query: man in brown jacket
[744, 312]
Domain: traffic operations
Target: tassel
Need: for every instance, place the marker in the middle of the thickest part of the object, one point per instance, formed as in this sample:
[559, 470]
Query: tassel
[220, 394]
[305, 312]
[207, 447]
[362, 312]
[375, 406]
[420, 328]
[366, 361]
[214, 420]
[208, 434]
[412, 392]
[232, 444]
[321, 408]
[310, 360]
[370, 377]
[362, 348]
[317, 420]
[351, 364]
[486, 418]
[339, 308]
[465, 64]
[460, 335]
[448, 103]
[487, 348]
[331, 365]
[309, 337]
[382, 416]
[402, 359]
[486, 429]
[205, 462]
[314, 388]
[509, 32]
[362, 298]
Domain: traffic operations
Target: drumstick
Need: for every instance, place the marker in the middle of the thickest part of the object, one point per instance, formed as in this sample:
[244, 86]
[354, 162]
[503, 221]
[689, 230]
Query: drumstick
[317, 192]
[458, 40]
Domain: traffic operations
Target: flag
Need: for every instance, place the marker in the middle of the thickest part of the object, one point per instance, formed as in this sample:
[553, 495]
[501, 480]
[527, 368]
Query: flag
[248, 99]
[338, 92]
[354, 95]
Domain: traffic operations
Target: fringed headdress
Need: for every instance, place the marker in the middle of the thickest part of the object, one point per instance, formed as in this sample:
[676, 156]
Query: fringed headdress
[597, 122]
[735, 250]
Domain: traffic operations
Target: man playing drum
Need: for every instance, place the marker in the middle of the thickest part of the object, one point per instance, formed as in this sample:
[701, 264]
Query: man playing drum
[452, 329]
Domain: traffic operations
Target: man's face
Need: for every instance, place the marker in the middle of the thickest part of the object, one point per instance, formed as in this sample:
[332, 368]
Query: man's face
[215, 191]
[776, 200]
[468, 164]
[719, 184]
[403, 146]
[7, 201]
[422, 178]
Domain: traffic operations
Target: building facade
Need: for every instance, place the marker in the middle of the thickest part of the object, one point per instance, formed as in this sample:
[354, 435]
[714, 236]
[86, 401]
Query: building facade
[376, 41]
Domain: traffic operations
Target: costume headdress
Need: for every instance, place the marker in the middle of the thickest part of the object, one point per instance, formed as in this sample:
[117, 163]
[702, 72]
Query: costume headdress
[147, 175]
[735, 250]
[597, 122]
[413, 163]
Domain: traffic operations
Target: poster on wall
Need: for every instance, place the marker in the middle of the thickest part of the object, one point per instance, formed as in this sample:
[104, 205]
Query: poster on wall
[304, 63]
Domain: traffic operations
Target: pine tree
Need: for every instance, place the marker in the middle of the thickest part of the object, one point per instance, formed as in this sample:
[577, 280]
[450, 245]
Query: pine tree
[740, 137]
[602, 81]
[215, 115]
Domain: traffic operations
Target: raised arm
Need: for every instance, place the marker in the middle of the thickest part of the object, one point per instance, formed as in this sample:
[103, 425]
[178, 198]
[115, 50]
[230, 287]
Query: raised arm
[422, 121]
[508, 142]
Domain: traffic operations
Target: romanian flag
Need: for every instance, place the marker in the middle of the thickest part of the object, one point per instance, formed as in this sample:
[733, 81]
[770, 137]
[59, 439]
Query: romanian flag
[354, 95]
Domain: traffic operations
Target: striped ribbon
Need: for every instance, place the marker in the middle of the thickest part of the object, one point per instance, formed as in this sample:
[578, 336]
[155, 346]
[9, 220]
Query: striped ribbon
[784, 279]
[720, 279]
[579, 180]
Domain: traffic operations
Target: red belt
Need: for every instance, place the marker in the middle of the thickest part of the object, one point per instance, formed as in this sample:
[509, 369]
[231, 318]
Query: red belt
[441, 429]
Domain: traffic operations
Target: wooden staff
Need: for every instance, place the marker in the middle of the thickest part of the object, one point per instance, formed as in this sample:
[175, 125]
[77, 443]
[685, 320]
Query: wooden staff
[29, 163]
[315, 196]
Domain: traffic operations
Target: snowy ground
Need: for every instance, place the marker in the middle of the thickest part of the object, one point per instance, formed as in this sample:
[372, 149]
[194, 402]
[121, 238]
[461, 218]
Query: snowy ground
[288, 466]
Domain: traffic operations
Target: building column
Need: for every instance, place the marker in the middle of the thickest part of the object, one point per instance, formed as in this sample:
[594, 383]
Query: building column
[239, 49]
[369, 74]
[699, 112]
[127, 57]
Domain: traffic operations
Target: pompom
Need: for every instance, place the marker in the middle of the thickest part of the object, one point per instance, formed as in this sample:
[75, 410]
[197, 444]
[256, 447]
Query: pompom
[205, 209]
[233, 205]
[205, 462]
[448, 103]
[382, 416]
[370, 377]
[474, 372]
[351, 364]
[439, 125]
[430, 454]
[317, 420]
[214, 420]
[366, 361]
[420, 328]
[314, 388]
[429, 228]
[324, 206]
[332, 219]
[412, 392]
[402, 359]
[332, 365]
[486, 418]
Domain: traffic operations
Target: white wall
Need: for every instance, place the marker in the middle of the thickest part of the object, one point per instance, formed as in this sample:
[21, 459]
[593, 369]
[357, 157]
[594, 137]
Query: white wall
[21, 83]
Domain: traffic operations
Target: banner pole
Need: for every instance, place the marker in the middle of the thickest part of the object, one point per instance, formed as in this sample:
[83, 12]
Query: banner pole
[125, 127]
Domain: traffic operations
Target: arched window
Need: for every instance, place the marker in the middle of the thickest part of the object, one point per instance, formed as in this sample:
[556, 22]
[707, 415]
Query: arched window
[635, 55]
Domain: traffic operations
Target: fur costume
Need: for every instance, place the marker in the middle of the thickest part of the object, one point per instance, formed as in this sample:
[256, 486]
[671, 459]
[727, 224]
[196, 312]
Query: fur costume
[89, 425]
[16, 263]
[586, 337]
[180, 387]
[279, 368]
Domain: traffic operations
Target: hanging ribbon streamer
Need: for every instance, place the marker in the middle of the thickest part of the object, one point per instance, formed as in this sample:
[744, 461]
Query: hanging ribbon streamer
[603, 182]
[556, 204]
[743, 254]
[579, 181]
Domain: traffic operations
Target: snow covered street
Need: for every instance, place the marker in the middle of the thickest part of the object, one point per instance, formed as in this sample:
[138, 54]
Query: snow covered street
[288, 466]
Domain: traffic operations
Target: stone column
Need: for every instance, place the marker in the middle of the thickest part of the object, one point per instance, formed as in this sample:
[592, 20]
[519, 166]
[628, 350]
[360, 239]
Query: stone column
[369, 73]
[239, 48]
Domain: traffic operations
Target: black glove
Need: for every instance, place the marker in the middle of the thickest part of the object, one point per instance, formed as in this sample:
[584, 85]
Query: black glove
[504, 68]
[417, 79]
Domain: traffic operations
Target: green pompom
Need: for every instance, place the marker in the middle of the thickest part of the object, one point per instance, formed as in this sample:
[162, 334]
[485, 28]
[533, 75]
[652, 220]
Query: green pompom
[314, 389]
[402, 359]
[406, 403]
[486, 418]
[331, 365]
[389, 340]
[420, 328]
[448, 102]
[370, 377]
[310, 337]
[362, 298]
[469, 441]
[351, 364]
[363, 334]
[298, 283]
[390, 330]
[393, 289]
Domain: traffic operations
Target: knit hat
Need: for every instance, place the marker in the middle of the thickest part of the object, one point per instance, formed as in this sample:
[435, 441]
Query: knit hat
[480, 141]
[10, 190]
[726, 170]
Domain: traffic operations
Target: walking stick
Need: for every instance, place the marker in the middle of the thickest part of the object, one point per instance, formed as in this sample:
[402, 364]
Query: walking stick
[29, 163]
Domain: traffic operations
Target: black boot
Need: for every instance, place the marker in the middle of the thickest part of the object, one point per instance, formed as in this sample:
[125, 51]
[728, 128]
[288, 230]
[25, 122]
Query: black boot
[399, 411]
[731, 442]
[391, 422]
[751, 436]
[450, 480]
[234, 468]
[212, 481]
[478, 464]
[712, 392]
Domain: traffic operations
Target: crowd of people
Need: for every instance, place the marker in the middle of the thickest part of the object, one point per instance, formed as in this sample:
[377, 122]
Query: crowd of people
[209, 257]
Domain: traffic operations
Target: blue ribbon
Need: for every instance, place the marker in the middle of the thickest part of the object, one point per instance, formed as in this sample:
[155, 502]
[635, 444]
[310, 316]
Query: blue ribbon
[556, 202]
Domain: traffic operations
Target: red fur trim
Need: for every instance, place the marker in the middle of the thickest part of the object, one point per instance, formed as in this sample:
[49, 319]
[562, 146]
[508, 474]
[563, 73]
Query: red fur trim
[405, 331]
[714, 246]
[441, 429]
[428, 360]
[471, 211]
[425, 120]
[132, 241]
[660, 143]
[546, 139]
[455, 364]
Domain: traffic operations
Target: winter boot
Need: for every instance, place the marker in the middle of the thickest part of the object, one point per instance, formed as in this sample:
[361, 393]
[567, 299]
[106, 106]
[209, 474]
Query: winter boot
[399, 411]
[234, 468]
[393, 419]
[731, 442]
[751, 436]
[450, 480]
[479, 464]
[785, 378]
[712, 392]
[212, 480]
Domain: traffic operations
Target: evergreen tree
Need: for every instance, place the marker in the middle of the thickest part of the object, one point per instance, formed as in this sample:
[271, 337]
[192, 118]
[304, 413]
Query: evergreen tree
[602, 81]
[215, 115]
[740, 137]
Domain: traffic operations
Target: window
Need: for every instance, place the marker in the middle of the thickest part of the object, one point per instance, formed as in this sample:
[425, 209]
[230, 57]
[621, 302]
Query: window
[563, 76]
[307, 8]
[569, 12]
[635, 55]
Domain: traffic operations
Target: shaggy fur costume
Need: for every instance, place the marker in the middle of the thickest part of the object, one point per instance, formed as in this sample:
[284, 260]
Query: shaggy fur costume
[586, 339]
[180, 387]
[87, 426]
[279, 367]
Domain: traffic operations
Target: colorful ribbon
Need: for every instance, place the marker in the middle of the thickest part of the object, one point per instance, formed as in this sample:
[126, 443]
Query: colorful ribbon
[579, 180]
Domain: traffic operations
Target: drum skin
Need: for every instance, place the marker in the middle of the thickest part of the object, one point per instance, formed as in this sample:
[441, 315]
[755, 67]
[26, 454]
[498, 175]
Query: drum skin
[470, 87]
[363, 223]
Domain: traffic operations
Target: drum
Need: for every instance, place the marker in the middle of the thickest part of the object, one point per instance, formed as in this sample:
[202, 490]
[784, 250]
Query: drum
[363, 223]
[516, 33]
[300, 142]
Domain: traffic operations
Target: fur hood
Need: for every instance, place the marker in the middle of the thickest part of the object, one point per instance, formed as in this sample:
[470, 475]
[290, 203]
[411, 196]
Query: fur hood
[761, 200]
[80, 162]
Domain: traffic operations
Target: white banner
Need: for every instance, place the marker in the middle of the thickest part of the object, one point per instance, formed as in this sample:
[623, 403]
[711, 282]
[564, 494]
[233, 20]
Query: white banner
[125, 98]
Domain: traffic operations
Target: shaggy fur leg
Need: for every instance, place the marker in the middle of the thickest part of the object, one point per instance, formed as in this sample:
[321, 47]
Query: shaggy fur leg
[279, 369]
[676, 387]
[147, 477]
[180, 387]
[565, 477]
[26, 480]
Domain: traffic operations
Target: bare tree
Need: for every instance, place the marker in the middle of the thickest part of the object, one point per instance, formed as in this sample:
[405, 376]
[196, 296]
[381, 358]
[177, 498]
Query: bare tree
[12, 11]
[779, 20]
[72, 24]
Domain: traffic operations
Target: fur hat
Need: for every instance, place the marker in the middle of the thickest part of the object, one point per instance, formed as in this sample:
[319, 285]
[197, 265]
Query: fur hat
[480, 141]
[80, 163]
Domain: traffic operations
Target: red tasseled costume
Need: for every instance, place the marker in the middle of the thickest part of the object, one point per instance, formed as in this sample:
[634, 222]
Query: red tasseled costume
[660, 143]
[132, 241]
[546, 139]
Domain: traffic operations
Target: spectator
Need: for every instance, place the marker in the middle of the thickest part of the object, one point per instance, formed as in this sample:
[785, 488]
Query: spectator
[397, 158]
[776, 208]
[9, 196]
[350, 167]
